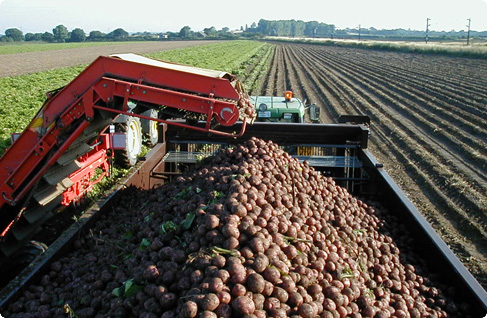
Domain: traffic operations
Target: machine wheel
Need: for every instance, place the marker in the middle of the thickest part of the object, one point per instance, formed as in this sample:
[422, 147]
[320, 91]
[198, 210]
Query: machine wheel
[133, 142]
[149, 127]
[27, 253]
[19, 260]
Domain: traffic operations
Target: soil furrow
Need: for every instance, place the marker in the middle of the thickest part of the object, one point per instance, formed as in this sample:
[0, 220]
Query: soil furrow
[467, 77]
[431, 91]
[445, 145]
[453, 142]
[293, 81]
[269, 84]
[426, 108]
[332, 94]
[313, 94]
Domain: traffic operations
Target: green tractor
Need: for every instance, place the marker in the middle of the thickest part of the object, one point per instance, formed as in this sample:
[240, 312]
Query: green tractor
[279, 109]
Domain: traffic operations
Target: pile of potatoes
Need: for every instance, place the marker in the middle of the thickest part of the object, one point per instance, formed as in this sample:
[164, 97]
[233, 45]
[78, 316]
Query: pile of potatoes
[249, 232]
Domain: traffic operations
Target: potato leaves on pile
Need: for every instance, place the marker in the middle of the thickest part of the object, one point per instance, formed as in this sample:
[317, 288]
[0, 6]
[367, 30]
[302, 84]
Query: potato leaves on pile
[250, 232]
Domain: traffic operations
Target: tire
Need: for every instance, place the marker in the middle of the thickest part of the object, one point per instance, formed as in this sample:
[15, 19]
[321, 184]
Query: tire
[149, 128]
[28, 252]
[132, 128]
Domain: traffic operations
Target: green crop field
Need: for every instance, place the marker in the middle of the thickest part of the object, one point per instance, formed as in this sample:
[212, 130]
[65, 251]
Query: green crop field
[22, 96]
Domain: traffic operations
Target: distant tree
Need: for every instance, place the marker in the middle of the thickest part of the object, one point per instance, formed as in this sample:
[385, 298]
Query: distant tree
[38, 36]
[48, 37]
[210, 31]
[77, 35]
[4, 38]
[172, 35]
[30, 37]
[297, 27]
[60, 33]
[96, 36]
[185, 32]
[225, 30]
[293, 28]
[253, 25]
[14, 34]
[118, 34]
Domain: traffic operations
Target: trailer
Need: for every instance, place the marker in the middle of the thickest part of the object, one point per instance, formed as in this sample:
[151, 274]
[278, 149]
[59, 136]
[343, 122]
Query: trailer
[337, 151]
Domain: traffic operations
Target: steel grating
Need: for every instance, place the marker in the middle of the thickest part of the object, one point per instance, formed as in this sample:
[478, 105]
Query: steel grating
[183, 156]
[331, 161]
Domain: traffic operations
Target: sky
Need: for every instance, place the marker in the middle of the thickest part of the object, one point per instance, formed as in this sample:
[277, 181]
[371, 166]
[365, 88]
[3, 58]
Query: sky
[161, 15]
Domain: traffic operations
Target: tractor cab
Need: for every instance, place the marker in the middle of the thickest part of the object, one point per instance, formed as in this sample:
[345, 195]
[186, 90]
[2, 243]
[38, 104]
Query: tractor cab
[279, 109]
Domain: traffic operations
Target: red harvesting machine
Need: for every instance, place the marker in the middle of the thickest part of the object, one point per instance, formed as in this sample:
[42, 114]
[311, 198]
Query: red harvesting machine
[68, 147]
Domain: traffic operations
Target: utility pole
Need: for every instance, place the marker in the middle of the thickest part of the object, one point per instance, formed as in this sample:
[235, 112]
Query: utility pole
[468, 32]
[426, 38]
[359, 27]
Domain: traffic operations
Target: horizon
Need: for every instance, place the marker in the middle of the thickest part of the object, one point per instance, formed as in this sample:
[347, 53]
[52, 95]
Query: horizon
[156, 17]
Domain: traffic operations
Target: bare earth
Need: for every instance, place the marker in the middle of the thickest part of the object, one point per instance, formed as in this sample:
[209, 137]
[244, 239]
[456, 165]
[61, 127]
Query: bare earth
[31, 62]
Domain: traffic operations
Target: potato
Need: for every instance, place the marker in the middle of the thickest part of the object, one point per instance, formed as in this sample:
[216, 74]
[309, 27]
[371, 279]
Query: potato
[168, 300]
[189, 309]
[243, 305]
[272, 275]
[255, 283]
[224, 297]
[224, 311]
[209, 302]
[208, 314]
[306, 311]
[260, 263]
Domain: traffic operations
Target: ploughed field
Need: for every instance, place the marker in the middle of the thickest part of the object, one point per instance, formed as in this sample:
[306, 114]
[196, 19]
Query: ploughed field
[428, 126]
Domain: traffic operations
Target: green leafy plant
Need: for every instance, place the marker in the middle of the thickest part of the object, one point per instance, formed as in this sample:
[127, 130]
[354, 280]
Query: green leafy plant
[168, 226]
[129, 288]
[145, 243]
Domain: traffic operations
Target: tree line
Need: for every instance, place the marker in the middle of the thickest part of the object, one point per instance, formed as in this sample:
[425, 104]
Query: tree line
[294, 28]
[61, 34]
[314, 29]
[291, 28]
